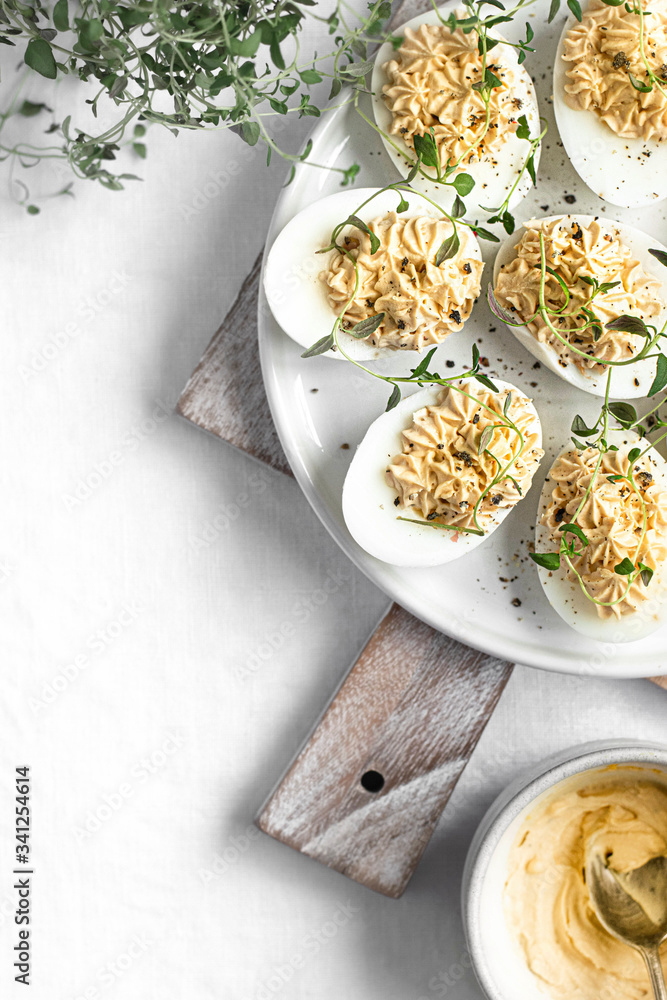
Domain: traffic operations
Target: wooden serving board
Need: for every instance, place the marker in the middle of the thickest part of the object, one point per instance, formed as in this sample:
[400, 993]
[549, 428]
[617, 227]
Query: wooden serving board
[364, 794]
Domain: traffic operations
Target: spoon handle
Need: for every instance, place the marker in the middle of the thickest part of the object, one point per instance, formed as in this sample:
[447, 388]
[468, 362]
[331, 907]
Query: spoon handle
[656, 975]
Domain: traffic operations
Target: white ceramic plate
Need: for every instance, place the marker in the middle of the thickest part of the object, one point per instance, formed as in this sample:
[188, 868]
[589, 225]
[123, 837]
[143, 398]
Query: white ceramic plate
[492, 599]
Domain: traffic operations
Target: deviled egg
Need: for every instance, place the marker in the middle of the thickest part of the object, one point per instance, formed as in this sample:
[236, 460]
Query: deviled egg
[611, 117]
[619, 523]
[420, 302]
[436, 475]
[598, 271]
[429, 83]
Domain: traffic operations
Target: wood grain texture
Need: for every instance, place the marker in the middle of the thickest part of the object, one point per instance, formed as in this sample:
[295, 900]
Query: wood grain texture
[412, 709]
[225, 394]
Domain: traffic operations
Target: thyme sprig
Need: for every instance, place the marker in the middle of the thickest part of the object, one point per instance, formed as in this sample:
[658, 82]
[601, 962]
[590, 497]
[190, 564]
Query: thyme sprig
[222, 66]
[502, 213]
[231, 65]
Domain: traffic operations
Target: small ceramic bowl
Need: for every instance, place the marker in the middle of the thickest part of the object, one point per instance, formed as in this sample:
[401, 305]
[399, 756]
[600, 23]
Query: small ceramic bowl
[499, 965]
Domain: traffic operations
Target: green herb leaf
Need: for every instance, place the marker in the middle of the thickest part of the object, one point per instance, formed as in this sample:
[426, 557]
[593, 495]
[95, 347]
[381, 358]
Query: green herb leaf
[625, 567]
[660, 380]
[61, 15]
[575, 7]
[323, 345]
[553, 10]
[448, 249]
[580, 428]
[458, 208]
[507, 404]
[485, 439]
[354, 220]
[659, 255]
[426, 149]
[633, 455]
[402, 206]
[508, 222]
[422, 367]
[574, 529]
[366, 326]
[310, 76]
[394, 399]
[463, 184]
[523, 131]
[624, 413]
[28, 109]
[646, 573]
[643, 88]
[484, 234]
[39, 56]
[629, 324]
[486, 381]
[547, 560]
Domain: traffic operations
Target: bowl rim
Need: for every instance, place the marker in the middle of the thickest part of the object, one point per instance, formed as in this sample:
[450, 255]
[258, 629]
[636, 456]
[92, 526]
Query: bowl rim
[511, 802]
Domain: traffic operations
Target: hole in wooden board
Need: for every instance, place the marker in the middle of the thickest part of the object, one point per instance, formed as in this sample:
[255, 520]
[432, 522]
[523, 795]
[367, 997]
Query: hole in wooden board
[372, 781]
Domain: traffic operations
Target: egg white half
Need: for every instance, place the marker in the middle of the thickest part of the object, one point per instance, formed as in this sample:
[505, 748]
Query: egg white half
[566, 596]
[496, 173]
[625, 172]
[623, 381]
[294, 290]
[368, 500]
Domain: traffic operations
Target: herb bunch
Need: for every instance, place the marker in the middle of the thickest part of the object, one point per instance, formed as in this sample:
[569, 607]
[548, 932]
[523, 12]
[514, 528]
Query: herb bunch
[183, 65]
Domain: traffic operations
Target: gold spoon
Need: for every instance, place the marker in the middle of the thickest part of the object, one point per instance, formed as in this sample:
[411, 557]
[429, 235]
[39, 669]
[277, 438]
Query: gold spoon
[632, 906]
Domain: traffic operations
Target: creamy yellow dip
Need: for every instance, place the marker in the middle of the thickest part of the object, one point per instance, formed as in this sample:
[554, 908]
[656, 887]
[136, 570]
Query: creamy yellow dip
[602, 51]
[440, 473]
[619, 812]
[612, 519]
[422, 302]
